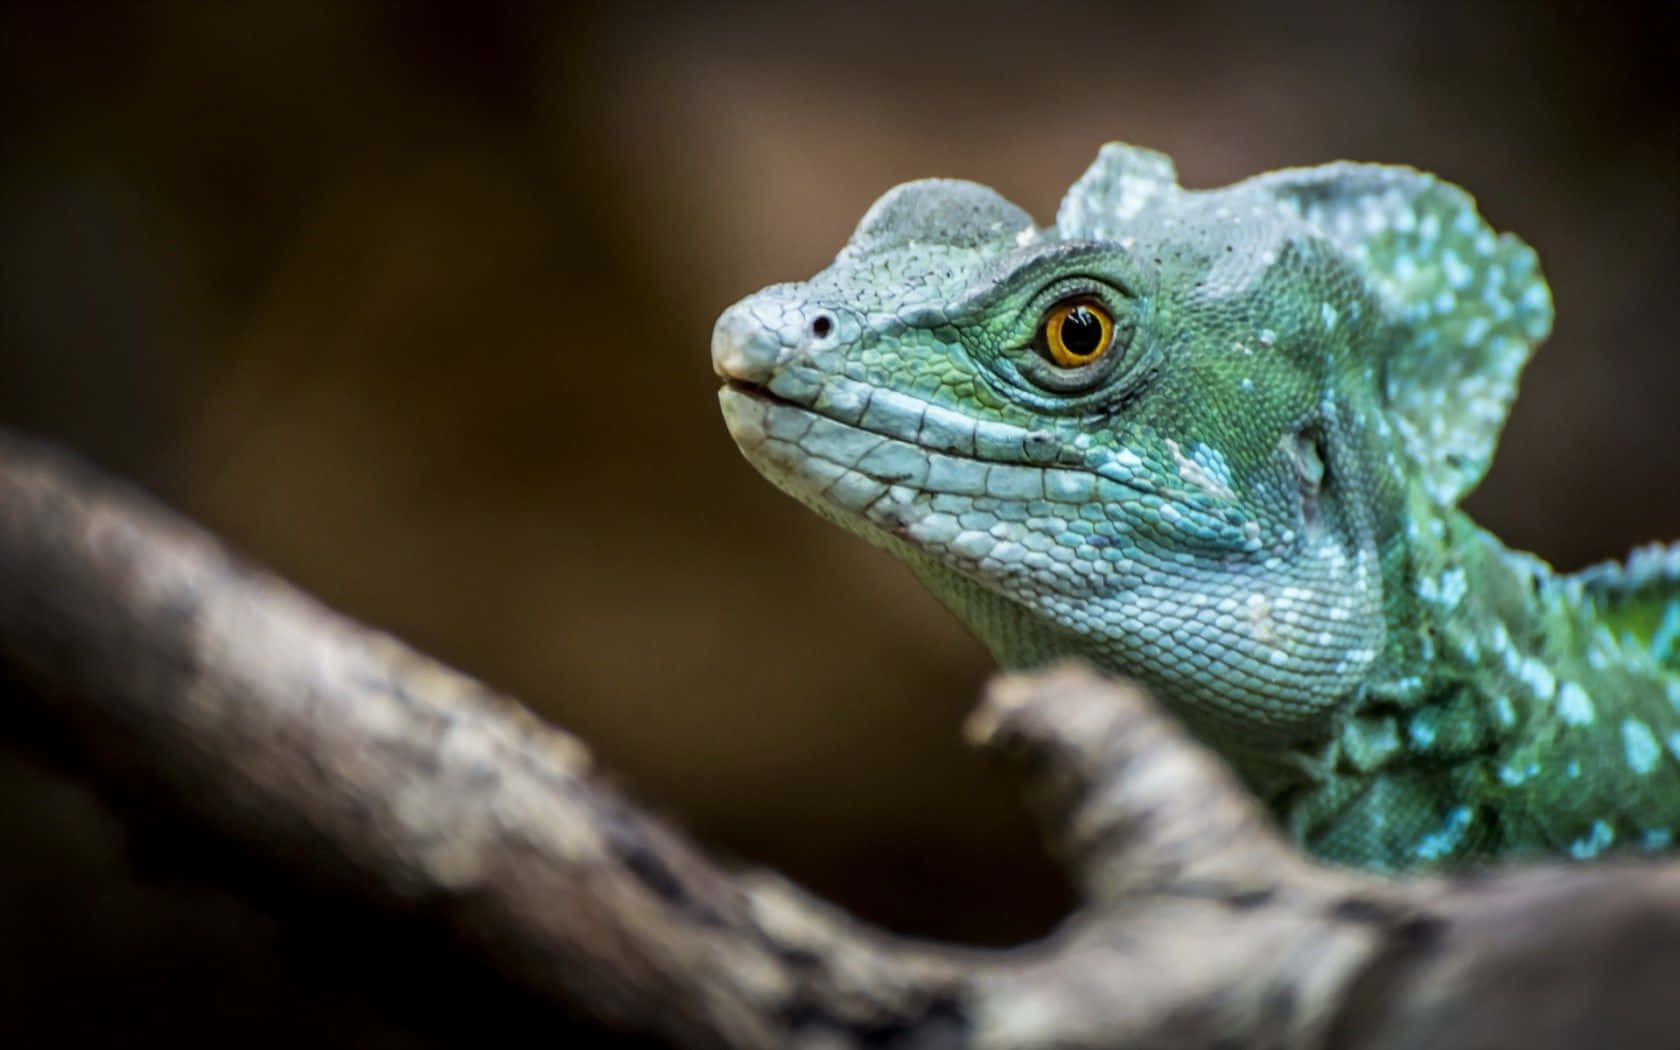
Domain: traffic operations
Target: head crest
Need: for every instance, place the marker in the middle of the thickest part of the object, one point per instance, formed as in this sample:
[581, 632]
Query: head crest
[1470, 304]
[947, 213]
[1123, 181]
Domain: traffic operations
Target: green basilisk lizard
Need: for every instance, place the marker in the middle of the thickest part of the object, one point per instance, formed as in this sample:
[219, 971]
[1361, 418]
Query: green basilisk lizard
[1215, 441]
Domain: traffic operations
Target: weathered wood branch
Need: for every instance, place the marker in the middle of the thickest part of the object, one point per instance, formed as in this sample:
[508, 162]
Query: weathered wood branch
[332, 751]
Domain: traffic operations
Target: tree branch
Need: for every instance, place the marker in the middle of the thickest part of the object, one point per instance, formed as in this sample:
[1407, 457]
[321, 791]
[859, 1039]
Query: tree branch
[333, 751]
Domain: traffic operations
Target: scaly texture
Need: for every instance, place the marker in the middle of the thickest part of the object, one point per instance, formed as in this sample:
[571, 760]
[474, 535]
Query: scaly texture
[1215, 440]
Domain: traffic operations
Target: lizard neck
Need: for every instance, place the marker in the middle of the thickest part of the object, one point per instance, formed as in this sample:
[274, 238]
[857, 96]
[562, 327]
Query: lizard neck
[1508, 720]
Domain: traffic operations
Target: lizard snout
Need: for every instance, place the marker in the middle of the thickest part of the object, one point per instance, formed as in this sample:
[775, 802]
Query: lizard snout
[743, 348]
[762, 332]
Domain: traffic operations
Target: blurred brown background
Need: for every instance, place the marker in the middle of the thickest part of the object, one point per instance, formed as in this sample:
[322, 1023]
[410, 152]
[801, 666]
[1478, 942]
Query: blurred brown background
[411, 302]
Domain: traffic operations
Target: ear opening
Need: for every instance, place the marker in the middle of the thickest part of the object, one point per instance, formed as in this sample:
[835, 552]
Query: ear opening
[1306, 453]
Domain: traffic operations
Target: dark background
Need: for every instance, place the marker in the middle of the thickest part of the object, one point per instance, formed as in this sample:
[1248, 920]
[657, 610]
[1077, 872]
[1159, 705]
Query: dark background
[411, 302]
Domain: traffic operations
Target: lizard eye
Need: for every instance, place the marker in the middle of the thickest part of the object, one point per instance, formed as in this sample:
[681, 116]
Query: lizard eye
[1077, 332]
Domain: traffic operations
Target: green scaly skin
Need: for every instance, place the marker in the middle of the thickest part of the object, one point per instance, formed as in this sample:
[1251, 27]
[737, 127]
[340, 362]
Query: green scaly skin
[1249, 503]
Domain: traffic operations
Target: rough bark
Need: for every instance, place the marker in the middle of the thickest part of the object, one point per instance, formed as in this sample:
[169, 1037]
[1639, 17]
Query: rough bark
[333, 752]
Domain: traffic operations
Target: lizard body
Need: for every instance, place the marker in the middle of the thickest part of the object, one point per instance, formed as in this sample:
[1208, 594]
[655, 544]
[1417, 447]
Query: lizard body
[1215, 440]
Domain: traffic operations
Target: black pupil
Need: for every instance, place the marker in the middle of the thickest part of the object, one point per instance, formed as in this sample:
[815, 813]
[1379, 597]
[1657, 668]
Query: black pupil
[1081, 332]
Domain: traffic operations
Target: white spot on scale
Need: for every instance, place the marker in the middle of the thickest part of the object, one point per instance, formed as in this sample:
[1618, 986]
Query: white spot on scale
[1453, 587]
[1440, 843]
[1327, 314]
[1128, 459]
[1206, 469]
[1574, 706]
[1594, 842]
[1503, 712]
[1640, 746]
[1258, 609]
[1534, 674]
[1422, 733]
[1454, 270]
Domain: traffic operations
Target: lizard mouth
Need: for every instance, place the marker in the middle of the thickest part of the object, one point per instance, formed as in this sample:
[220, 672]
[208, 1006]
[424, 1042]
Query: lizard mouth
[891, 441]
[760, 393]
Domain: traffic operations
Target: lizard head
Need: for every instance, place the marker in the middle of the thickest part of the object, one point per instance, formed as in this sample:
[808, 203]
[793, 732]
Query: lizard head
[1176, 433]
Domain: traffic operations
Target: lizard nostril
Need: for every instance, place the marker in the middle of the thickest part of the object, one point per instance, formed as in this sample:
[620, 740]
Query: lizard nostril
[822, 326]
